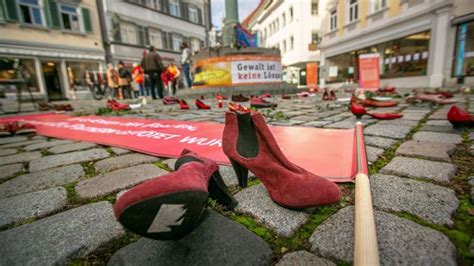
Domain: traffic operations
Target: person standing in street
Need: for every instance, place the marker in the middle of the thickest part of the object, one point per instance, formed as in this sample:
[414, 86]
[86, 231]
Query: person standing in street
[124, 80]
[139, 79]
[112, 81]
[153, 66]
[185, 62]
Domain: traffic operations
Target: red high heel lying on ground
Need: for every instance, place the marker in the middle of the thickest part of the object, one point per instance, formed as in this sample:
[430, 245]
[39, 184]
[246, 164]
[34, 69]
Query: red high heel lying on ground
[250, 145]
[325, 96]
[11, 128]
[359, 111]
[116, 106]
[168, 207]
[332, 95]
[221, 97]
[168, 100]
[459, 117]
[239, 98]
[183, 105]
[201, 105]
[259, 102]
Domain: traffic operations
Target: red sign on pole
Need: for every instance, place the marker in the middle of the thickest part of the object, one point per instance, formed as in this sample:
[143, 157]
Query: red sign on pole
[312, 75]
[369, 74]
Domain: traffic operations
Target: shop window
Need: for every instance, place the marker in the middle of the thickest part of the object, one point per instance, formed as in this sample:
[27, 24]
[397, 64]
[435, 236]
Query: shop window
[14, 68]
[174, 8]
[333, 20]
[314, 7]
[193, 14]
[69, 18]
[142, 36]
[464, 51]
[177, 40]
[314, 37]
[30, 12]
[76, 73]
[155, 38]
[153, 4]
[353, 10]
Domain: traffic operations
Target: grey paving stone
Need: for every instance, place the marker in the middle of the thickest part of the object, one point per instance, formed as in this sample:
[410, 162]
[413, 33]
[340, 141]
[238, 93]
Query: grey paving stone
[427, 149]
[256, 202]
[471, 135]
[413, 116]
[438, 137]
[430, 202]
[388, 131]
[117, 180]
[67, 158]
[21, 144]
[41, 180]
[6, 140]
[62, 237]
[39, 138]
[399, 122]
[306, 118]
[400, 241]
[228, 175]
[419, 168]
[20, 158]
[379, 142]
[120, 151]
[373, 153]
[4, 152]
[216, 241]
[439, 123]
[47, 144]
[9, 170]
[170, 162]
[286, 123]
[32, 205]
[439, 115]
[303, 258]
[72, 147]
[123, 161]
[441, 129]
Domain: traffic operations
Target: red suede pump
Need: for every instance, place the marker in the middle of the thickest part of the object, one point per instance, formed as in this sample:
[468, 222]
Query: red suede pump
[201, 105]
[249, 144]
[168, 207]
[359, 111]
[459, 117]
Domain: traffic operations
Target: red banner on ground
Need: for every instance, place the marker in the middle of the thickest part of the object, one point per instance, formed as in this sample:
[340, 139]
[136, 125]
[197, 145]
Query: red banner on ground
[330, 153]
[369, 77]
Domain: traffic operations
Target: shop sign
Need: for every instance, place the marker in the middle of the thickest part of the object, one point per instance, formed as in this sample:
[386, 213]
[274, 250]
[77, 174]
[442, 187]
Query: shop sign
[333, 71]
[237, 70]
[369, 71]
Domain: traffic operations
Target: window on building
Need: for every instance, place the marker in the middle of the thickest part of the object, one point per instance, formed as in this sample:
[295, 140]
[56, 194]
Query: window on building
[128, 33]
[155, 38]
[292, 43]
[333, 20]
[193, 14]
[291, 14]
[9, 72]
[174, 8]
[464, 51]
[154, 4]
[195, 45]
[177, 40]
[30, 12]
[76, 74]
[314, 7]
[284, 46]
[379, 4]
[314, 37]
[142, 36]
[353, 10]
[69, 18]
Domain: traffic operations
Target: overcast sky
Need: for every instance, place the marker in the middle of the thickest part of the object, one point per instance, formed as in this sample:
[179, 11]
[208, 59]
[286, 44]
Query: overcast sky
[218, 10]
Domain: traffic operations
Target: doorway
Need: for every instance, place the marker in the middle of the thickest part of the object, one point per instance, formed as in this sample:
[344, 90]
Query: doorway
[51, 74]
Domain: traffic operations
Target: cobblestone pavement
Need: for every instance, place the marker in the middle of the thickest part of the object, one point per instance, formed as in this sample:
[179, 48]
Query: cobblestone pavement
[56, 196]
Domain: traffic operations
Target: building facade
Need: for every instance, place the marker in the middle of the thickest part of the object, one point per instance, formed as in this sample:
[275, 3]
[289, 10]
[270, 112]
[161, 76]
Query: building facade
[54, 42]
[415, 41]
[134, 25]
[292, 26]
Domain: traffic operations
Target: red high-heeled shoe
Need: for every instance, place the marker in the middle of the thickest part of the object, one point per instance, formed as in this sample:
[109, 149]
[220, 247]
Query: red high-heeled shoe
[249, 144]
[258, 102]
[183, 105]
[168, 100]
[325, 96]
[332, 95]
[201, 105]
[459, 117]
[116, 106]
[373, 103]
[168, 207]
[359, 111]
[221, 97]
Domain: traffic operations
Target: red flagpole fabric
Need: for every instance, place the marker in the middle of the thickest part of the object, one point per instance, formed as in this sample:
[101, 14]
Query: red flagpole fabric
[330, 153]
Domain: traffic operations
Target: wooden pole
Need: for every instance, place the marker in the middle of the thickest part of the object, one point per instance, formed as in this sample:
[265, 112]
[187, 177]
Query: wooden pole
[365, 234]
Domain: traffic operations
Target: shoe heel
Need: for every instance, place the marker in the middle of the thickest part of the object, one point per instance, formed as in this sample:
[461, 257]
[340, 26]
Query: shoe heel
[241, 172]
[358, 116]
[218, 191]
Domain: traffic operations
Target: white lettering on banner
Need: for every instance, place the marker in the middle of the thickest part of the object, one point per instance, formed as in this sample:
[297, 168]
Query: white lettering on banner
[139, 133]
[256, 71]
[130, 124]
